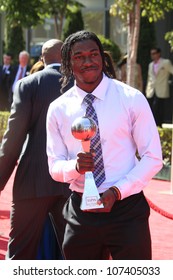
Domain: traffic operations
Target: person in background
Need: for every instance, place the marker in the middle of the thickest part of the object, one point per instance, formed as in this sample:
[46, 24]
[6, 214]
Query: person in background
[20, 71]
[39, 65]
[48, 246]
[157, 88]
[121, 227]
[5, 81]
[35, 193]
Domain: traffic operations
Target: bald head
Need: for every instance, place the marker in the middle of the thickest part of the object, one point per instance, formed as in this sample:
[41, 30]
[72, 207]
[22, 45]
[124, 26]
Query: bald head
[51, 51]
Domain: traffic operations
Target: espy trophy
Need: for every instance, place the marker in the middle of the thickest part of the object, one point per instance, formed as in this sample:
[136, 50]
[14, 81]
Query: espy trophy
[84, 129]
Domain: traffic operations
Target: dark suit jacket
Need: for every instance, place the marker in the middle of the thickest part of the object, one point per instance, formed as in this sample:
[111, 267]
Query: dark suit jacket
[32, 97]
[5, 86]
[15, 70]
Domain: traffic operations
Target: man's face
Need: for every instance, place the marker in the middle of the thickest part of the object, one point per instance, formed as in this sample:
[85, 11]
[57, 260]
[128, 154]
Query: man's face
[7, 59]
[23, 60]
[86, 63]
[155, 55]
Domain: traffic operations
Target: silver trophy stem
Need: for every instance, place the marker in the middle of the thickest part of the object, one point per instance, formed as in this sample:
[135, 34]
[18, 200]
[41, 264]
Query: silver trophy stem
[84, 129]
[86, 145]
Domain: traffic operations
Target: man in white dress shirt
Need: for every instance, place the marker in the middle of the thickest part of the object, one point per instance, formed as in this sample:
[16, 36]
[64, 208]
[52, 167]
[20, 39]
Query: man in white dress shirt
[158, 89]
[126, 125]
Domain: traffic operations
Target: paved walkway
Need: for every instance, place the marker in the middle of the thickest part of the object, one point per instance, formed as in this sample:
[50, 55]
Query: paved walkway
[161, 218]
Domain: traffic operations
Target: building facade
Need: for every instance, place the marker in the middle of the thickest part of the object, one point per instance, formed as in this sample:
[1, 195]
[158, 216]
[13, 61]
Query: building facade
[93, 12]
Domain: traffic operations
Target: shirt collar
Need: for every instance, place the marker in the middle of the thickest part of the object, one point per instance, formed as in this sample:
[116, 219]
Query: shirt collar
[99, 92]
[53, 64]
[24, 68]
[6, 66]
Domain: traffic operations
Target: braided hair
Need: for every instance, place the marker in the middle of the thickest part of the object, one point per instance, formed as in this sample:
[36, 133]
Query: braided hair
[66, 70]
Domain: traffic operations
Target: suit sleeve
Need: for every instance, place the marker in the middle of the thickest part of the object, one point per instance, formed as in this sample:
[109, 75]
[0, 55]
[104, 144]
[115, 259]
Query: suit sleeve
[17, 129]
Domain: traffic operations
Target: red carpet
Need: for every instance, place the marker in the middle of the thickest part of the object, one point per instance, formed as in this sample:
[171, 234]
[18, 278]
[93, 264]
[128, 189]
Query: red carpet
[5, 204]
[160, 198]
[161, 224]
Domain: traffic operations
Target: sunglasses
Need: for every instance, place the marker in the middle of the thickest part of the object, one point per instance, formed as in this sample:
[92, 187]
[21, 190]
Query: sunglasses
[152, 53]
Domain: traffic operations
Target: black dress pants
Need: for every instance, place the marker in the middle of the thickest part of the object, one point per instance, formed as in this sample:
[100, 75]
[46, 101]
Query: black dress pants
[158, 108]
[27, 221]
[123, 232]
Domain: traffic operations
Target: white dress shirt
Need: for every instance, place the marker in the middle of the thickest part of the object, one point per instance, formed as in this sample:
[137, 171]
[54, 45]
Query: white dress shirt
[5, 68]
[18, 74]
[156, 66]
[126, 124]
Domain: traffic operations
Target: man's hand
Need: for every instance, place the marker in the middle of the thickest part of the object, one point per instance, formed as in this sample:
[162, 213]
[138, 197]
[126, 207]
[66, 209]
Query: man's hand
[108, 200]
[85, 162]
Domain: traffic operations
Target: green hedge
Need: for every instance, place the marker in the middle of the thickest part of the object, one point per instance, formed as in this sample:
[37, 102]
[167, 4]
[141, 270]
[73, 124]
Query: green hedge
[110, 46]
[165, 137]
[166, 142]
[3, 123]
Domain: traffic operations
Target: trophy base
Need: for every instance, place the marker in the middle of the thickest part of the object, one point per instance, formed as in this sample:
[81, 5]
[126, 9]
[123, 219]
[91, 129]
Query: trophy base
[91, 194]
[90, 202]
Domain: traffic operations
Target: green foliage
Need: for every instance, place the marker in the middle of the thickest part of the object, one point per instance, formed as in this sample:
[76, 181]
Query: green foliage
[169, 38]
[121, 8]
[33, 12]
[14, 42]
[23, 13]
[109, 45]
[152, 9]
[60, 7]
[3, 123]
[27, 14]
[166, 143]
[147, 40]
[155, 9]
[74, 22]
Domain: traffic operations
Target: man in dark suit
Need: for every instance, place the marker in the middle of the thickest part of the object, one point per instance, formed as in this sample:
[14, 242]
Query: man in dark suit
[5, 81]
[35, 193]
[20, 71]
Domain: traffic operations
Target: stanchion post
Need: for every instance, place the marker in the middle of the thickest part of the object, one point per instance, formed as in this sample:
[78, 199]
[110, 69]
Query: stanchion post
[170, 126]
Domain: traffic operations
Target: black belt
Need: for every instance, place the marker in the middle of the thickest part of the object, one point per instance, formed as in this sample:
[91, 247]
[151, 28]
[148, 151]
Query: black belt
[81, 194]
[78, 193]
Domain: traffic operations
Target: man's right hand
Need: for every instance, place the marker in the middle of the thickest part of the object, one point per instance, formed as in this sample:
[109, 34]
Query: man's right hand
[85, 162]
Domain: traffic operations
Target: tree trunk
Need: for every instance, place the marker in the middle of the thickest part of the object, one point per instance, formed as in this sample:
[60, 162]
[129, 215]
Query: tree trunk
[133, 21]
[59, 19]
[57, 35]
[61, 26]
